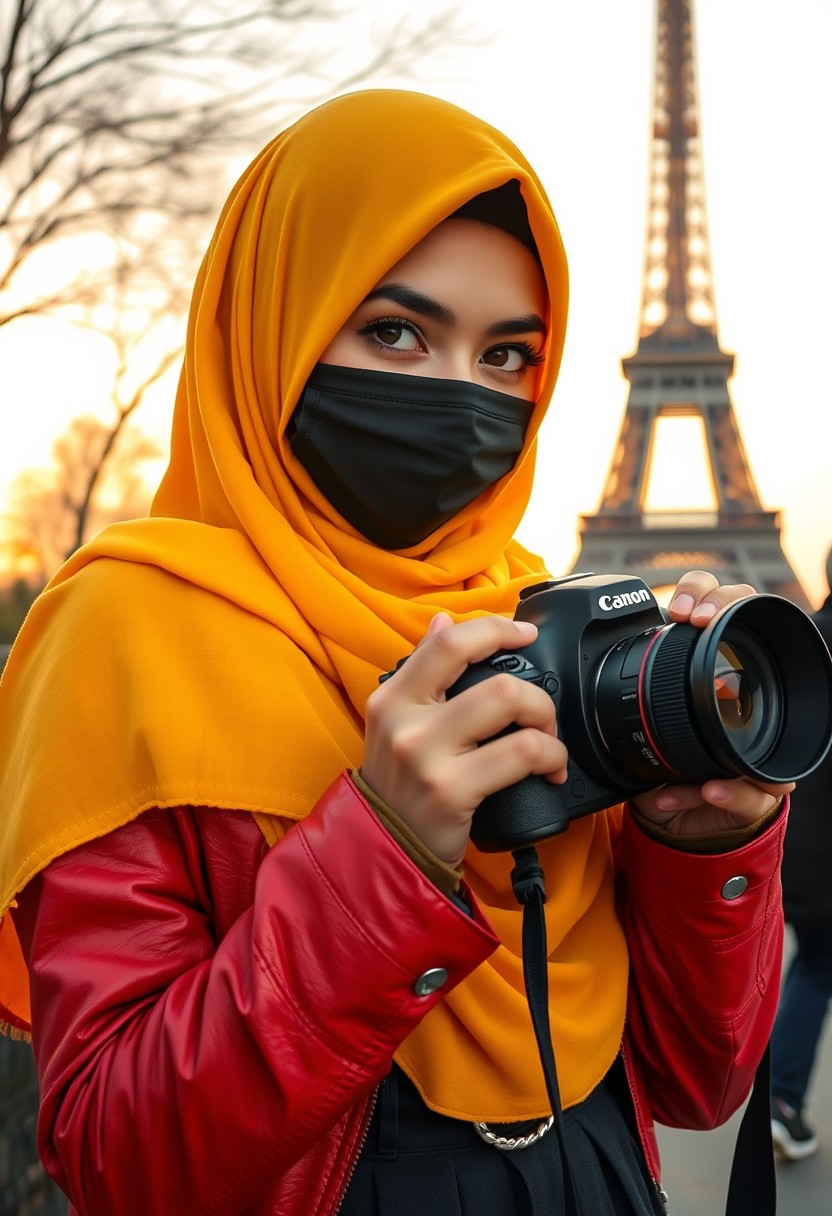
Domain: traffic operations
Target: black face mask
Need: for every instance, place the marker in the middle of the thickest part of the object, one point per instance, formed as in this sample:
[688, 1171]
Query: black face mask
[398, 455]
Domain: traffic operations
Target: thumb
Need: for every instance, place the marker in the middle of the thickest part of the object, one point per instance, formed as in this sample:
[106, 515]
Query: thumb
[441, 621]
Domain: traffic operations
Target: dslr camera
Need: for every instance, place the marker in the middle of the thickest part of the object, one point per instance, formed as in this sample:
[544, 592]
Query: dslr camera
[642, 701]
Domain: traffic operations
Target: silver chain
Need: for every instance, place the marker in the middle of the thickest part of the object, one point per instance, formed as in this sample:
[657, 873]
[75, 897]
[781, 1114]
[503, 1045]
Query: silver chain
[508, 1144]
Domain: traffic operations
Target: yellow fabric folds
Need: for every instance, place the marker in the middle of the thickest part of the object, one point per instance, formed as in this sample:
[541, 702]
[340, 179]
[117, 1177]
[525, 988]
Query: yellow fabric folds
[221, 652]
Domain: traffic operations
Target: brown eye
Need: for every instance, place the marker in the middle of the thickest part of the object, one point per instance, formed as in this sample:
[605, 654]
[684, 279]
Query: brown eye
[392, 334]
[507, 358]
[389, 334]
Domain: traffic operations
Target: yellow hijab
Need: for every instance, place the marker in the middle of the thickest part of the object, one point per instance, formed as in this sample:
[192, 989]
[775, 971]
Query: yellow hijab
[221, 652]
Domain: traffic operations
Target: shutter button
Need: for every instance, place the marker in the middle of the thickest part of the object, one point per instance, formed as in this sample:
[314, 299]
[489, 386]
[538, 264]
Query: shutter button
[734, 887]
[429, 981]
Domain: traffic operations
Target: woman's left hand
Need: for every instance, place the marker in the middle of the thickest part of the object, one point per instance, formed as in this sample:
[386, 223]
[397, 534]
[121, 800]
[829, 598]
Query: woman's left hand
[721, 804]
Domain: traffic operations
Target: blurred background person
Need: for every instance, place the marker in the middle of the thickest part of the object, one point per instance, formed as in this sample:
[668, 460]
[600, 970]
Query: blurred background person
[807, 988]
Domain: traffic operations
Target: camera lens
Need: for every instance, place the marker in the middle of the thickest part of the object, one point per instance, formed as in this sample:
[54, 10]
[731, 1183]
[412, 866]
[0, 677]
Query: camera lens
[749, 695]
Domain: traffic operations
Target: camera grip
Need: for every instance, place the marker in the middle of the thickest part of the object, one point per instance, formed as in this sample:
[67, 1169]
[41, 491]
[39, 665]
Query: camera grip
[531, 809]
[520, 815]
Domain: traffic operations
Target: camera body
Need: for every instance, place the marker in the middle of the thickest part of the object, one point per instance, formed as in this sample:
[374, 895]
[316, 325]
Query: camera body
[642, 700]
[584, 622]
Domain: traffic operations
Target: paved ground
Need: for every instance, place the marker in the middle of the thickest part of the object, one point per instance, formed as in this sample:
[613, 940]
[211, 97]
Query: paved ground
[697, 1164]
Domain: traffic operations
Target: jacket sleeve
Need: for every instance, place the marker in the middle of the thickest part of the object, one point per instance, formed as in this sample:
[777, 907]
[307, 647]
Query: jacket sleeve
[705, 935]
[181, 1074]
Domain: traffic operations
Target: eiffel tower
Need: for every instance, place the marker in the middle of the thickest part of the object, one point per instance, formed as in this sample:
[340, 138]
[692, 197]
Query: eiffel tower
[679, 371]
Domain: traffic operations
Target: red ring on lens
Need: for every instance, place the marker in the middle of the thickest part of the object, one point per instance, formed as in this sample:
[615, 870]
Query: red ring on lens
[642, 703]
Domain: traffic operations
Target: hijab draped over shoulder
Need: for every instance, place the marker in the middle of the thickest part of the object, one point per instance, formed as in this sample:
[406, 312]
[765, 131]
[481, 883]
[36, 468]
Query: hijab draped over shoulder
[220, 653]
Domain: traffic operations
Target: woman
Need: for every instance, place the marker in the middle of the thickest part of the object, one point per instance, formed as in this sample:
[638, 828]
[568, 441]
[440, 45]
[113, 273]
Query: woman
[237, 861]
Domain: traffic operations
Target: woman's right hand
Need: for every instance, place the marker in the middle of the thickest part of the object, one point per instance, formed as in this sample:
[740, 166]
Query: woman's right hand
[421, 753]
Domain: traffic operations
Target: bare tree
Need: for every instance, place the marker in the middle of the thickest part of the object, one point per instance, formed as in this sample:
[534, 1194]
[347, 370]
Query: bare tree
[51, 510]
[140, 302]
[114, 113]
[118, 119]
[32, 526]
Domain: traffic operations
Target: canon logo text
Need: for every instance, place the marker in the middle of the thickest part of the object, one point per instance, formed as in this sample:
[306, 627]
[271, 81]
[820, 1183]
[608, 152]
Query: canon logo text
[610, 602]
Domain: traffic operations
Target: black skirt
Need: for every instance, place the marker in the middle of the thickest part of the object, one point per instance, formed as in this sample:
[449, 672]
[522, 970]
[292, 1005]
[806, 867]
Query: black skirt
[416, 1162]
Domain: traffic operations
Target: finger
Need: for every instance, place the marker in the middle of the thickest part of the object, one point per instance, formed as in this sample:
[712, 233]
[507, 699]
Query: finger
[699, 597]
[439, 622]
[502, 762]
[721, 598]
[662, 804]
[719, 792]
[691, 590]
[746, 799]
[489, 707]
[443, 656]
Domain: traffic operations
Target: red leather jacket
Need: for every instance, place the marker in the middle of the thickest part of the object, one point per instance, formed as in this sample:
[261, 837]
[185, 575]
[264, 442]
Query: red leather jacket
[212, 1017]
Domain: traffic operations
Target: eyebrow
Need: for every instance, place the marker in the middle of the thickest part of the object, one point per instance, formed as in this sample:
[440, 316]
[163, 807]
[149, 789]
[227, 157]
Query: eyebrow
[408, 297]
[426, 306]
[530, 324]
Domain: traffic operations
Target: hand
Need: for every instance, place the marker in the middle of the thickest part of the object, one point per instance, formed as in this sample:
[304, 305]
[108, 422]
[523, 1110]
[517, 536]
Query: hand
[718, 805]
[699, 596]
[421, 753]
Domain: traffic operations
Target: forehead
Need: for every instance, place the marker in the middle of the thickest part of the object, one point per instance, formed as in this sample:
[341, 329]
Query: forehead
[471, 262]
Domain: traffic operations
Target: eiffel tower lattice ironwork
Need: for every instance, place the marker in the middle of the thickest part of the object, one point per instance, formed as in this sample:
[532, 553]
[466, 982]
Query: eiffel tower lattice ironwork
[679, 370]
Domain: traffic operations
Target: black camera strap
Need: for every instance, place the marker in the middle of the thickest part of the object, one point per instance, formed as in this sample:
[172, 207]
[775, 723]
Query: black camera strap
[752, 1189]
[530, 891]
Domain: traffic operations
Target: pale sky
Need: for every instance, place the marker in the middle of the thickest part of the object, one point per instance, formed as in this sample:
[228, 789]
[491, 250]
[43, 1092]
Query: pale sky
[570, 82]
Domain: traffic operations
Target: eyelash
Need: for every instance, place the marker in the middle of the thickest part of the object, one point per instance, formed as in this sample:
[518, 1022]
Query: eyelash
[532, 357]
[371, 329]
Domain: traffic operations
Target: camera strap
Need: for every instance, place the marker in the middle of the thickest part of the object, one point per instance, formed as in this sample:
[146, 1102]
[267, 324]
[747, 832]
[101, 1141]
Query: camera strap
[529, 887]
[752, 1189]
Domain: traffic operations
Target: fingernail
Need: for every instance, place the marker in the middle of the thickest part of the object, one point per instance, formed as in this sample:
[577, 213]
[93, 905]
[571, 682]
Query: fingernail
[704, 612]
[557, 778]
[436, 622]
[667, 802]
[682, 603]
[527, 627]
[719, 793]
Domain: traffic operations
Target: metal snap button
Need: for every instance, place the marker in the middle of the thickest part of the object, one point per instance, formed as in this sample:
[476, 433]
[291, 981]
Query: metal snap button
[734, 887]
[430, 981]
